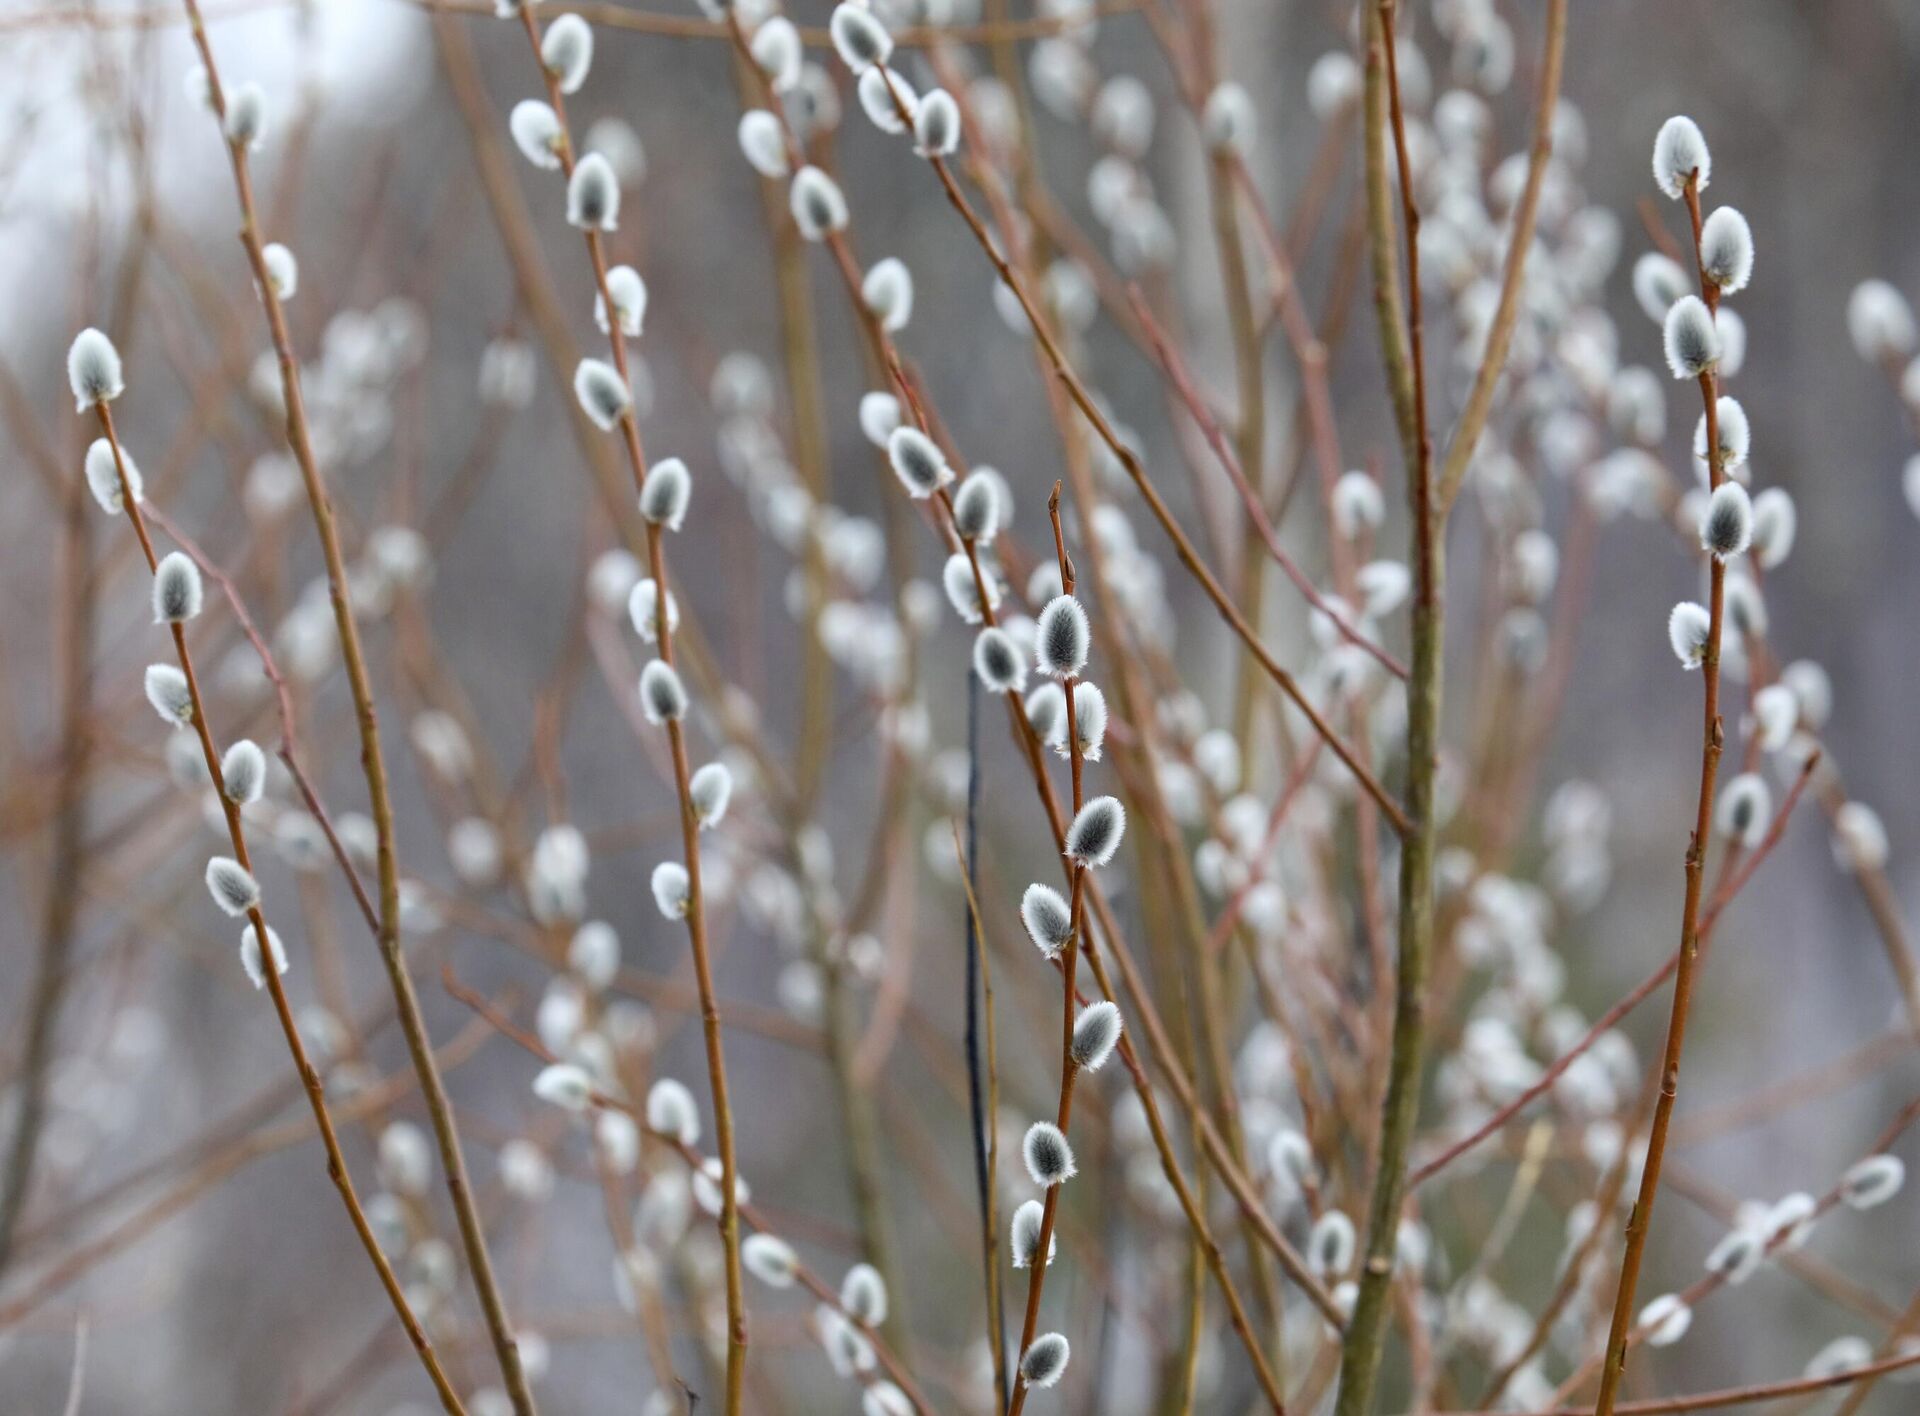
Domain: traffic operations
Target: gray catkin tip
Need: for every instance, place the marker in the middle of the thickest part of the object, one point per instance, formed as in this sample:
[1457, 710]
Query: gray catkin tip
[177, 592]
[1727, 529]
[936, 124]
[603, 394]
[1049, 921]
[1095, 1033]
[665, 493]
[243, 772]
[593, 195]
[1048, 1156]
[1691, 340]
[818, 205]
[1045, 1362]
[976, 508]
[863, 1293]
[93, 370]
[232, 886]
[918, 462]
[1096, 831]
[998, 662]
[1062, 640]
[859, 36]
[663, 698]
[1025, 1241]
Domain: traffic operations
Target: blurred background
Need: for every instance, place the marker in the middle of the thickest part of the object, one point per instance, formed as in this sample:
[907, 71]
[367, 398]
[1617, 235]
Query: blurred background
[116, 209]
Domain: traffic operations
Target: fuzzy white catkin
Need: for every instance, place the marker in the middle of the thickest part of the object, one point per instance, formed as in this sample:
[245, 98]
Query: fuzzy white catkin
[103, 477]
[918, 462]
[250, 955]
[885, 1399]
[711, 788]
[1880, 322]
[1025, 1241]
[1095, 1034]
[884, 96]
[1665, 1320]
[1775, 524]
[1737, 1256]
[1727, 528]
[1095, 832]
[536, 131]
[283, 271]
[863, 1294]
[629, 294]
[1062, 638]
[819, 208]
[1227, 122]
[769, 1259]
[177, 592]
[1688, 626]
[777, 50]
[593, 195]
[859, 36]
[1045, 1362]
[243, 772]
[1047, 917]
[1679, 150]
[1690, 338]
[936, 124]
[93, 370]
[167, 691]
[1331, 1244]
[672, 1111]
[672, 890]
[232, 886]
[1743, 809]
[1048, 1157]
[1873, 1181]
[963, 589]
[976, 508]
[1726, 250]
[663, 698]
[1859, 838]
[565, 1086]
[603, 394]
[643, 608]
[762, 143]
[998, 662]
[1357, 504]
[1657, 282]
[1089, 721]
[246, 123]
[567, 51]
[1046, 710]
[665, 493]
[887, 292]
[594, 954]
[405, 1159]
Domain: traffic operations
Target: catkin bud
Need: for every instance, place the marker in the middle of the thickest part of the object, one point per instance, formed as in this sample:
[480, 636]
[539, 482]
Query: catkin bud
[1048, 1157]
[863, 1295]
[1357, 504]
[1732, 432]
[629, 294]
[998, 662]
[246, 116]
[887, 292]
[672, 890]
[936, 124]
[643, 608]
[1658, 281]
[93, 370]
[1859, 837]
[1692, 341]
[1096, 831]
[672, 1111]
[232, 886]
[818, 206]
[1688, 626]
[168, 692]
[884, 96]
[243, 772]
[879, 417]
[103, 477]
[177, 593]
[1665, 1320]
[1095, 1033]
[283, 271]
[976, 508]
[565, 1086]
[777, 50]
[663, 698]
[1743, 809]
[665, 493]
[1046, 710]
[762, 143]
[1089, 723]
[536, 131]
[1062, 638]
[1726, 250]
[1727, 528]
[769, 1259]
[1330, 1245]
[859, 36]
[1026, 1235]
[1680, 153]
[1737, 1256]
[594, 954]
[567, 51]
[1879, 322]
[1872, 1181]
[603, 394]
[1775, 522]
[1047, 917]
[1045, 1362]
[711, 788]
[1227, 122]
[250, 955]
[593, 195]
[918, 462]
[963, 587]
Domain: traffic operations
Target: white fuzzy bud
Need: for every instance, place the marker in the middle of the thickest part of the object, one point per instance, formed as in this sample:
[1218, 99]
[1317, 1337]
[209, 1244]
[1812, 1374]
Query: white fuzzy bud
[565, 1086]
[1049, 920]
[594, 954]
[1680, 152]
[777, 50]
[976, 508]
[859, 36]
[1026, 1235]
[672, 1111]
[1330, 1245]
[536, 131]
[1062, 638]
[177, 592]
[1227, 123]
[769, 1259]
[1726, 250]
[1089, 722]
[1879, 322]
[1095, 1034]
[93, 370]
[1096, 831]
[1859, 838]
[250, 955]
[672, 890]
[819, 208]
[884, 96]
[103, 477]
[998, 662]
[1775, 522]
[169, 694]
[243, 772]
[1848, 1353]
[405, 1159]
[643, 608]
[1665, 1320]
[1048, 1157]
[762, 143]
[1045, 1362]
[1727, 528]
[918, 462]
[593, 195]
[936, 124]
[1357, 504]
[1688, 626]
[863, 1295]
[663, 698]
[1658, 281]
[1737, 1256]
[603, 394]
[665, 493]
[629, 294]
[963, 588]
[1691, 340]
[246, 122]
[567, 51]
[887, 292]
[711, 788]
[1789, 1221]
[283, 271]
[1872, 1181]
[1744, 808]
[232, 886]
[1046, 709]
